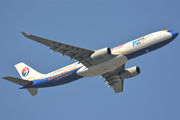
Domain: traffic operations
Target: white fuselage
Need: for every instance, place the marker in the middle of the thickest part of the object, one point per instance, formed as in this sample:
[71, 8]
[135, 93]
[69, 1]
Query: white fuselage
[122, 53]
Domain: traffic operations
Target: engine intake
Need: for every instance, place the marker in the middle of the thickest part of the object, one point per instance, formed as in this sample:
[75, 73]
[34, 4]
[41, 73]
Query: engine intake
[130, 72]
[101, 53]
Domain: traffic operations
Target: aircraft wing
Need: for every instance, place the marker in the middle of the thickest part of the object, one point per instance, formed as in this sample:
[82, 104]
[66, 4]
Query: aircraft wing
[80, 54]
[114, 80]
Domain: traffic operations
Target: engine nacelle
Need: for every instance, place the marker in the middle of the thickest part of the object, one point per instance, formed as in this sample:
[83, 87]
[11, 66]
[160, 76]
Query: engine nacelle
[101, 53]
[130, 72]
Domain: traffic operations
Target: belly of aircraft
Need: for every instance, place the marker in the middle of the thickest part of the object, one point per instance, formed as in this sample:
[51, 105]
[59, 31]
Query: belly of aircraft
[103, 67]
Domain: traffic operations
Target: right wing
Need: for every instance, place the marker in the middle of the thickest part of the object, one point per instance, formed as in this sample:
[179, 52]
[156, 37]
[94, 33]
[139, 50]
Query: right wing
[80, 54]
[114, 80]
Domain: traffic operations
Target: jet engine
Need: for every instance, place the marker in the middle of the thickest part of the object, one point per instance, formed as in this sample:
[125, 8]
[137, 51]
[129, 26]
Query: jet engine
[130, 72]
[101, 53]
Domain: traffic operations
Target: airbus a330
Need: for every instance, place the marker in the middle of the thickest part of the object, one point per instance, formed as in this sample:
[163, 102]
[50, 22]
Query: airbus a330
[109, 63]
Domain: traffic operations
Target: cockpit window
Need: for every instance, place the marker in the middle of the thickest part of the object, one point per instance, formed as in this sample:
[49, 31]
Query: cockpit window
[170, 30]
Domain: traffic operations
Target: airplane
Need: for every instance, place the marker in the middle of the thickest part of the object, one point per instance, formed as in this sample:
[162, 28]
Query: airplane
[109, 63]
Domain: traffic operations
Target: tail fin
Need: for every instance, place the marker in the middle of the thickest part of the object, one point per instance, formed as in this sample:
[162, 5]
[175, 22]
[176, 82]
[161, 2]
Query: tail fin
[27, 72]
[28, 75]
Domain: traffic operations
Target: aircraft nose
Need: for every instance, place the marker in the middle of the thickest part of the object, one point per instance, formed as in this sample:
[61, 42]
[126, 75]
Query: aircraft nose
[174, 33]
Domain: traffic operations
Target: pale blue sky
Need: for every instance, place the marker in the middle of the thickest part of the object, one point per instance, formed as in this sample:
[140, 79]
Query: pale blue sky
[152, 95]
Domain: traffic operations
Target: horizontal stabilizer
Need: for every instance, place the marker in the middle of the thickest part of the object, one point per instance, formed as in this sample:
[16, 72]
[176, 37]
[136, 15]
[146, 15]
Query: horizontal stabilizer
[18, 81]
[32, 91]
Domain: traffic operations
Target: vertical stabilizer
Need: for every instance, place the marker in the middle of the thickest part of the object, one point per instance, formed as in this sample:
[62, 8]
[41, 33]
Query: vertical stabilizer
[27, 72]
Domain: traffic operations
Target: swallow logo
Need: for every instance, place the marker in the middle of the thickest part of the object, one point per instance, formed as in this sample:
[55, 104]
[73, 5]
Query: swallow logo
[25, 71]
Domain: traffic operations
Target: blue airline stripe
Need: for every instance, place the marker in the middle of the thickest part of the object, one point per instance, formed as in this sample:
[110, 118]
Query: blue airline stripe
[49, 81]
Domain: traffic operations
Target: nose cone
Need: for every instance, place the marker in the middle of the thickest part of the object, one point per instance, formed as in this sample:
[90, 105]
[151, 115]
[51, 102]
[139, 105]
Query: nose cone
[174, 33]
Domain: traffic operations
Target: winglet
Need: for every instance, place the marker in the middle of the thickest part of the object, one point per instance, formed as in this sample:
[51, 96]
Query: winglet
[25, 34]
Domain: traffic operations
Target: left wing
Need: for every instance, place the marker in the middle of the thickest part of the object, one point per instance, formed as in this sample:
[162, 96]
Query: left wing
[114, 80]
[80, 54]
